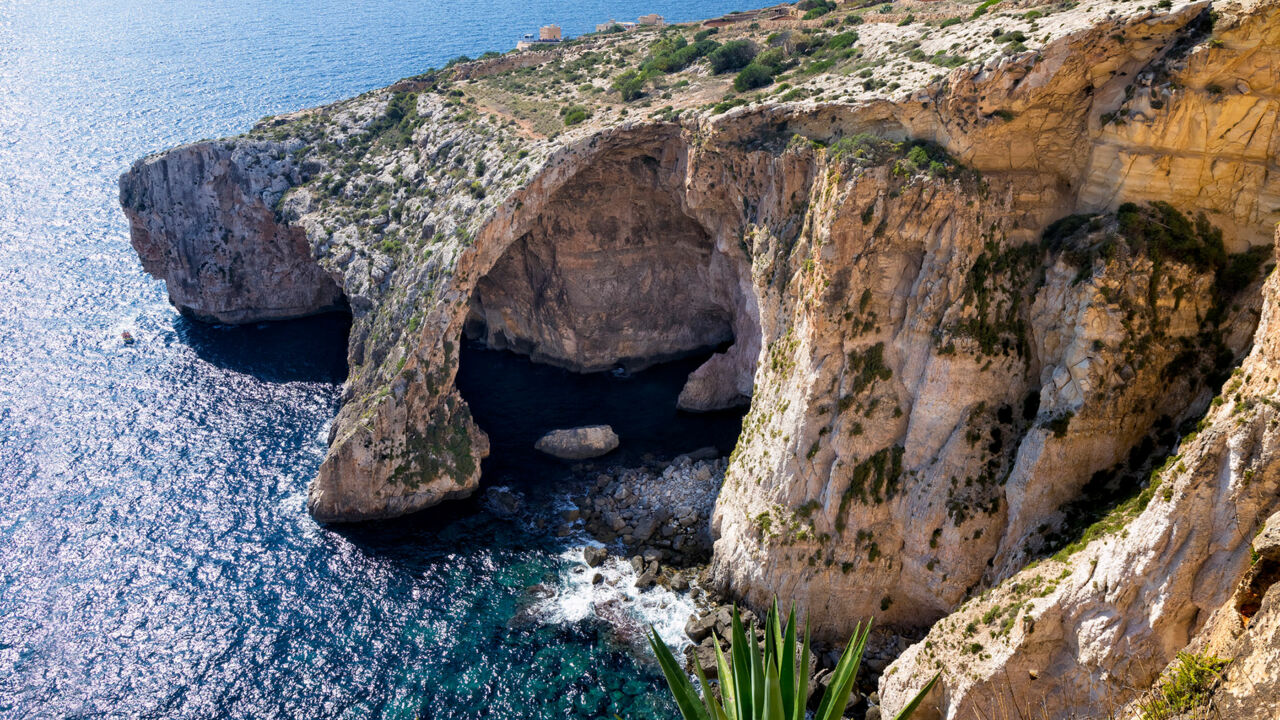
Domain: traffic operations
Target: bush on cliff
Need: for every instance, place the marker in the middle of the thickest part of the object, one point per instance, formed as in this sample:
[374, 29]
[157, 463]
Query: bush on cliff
[733, 55]
[752, 76]
[670, 55]
[769, 682]
[630, 84]
[574, 114]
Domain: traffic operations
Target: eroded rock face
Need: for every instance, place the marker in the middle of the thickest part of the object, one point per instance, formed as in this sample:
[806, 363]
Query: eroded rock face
[579, 443]
[612, 271]
[1085, 632]
[202, 218]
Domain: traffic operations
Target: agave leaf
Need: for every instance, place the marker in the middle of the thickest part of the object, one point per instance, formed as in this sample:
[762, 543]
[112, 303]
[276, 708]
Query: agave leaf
[909, 709]
[741, 669]
[682, 690]
[776, 636]
[773, 708]
[714, 710]
[787, 663]
[844, 677]
[728, 688]
[802, 684]
[758, 694]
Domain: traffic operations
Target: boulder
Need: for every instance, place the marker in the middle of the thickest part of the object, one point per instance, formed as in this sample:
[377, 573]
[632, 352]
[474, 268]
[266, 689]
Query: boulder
[594, 556]
[578, 443]
[699, 627]
[647, 579]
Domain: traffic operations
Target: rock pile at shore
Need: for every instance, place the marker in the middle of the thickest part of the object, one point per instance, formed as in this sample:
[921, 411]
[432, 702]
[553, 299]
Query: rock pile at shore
[662, 515]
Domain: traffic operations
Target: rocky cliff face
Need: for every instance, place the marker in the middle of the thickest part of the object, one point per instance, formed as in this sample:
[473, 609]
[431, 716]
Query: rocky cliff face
[202, 217]
[960, 326]
[1090, 628]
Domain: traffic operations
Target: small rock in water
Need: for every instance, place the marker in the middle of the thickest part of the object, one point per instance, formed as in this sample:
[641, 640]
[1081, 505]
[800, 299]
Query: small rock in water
[578, 443]
[540, 591]
[502, 501]
[597, 578]
[647, 579]
[594, 556]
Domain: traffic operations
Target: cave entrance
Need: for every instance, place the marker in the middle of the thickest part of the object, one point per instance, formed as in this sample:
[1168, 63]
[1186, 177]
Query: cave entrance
[613, 305]
[516, 401]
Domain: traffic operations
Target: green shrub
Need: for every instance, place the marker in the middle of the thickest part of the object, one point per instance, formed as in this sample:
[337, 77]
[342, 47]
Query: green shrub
[733, 55]
[704, 34]
[982, 9]
[817, 8]
[1184, 688]
[575, 114]
[842, 40]
[673, 55]
[630, 84]
[395, 127]
[752, 76]
[769, 682]
[775, 60]
[727, 105]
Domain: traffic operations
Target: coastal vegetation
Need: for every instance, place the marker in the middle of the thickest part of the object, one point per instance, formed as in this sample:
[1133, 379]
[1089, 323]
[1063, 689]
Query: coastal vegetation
[768, 681]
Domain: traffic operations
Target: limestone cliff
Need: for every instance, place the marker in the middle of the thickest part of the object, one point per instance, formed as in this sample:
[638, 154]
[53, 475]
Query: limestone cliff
[930, 249]
[1089, 629]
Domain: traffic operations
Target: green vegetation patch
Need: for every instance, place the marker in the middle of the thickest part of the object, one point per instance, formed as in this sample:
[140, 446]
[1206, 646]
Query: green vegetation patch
[1186, 686]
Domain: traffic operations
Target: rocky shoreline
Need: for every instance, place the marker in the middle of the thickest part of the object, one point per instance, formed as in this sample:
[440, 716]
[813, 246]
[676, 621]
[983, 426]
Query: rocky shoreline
[659, 517]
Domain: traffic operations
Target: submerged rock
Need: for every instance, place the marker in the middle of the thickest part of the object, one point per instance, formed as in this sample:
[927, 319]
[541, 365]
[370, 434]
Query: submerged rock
[502, 501]
[578, 443]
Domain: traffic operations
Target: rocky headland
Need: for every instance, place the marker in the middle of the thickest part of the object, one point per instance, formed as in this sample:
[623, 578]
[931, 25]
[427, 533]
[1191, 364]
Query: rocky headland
[993, 281]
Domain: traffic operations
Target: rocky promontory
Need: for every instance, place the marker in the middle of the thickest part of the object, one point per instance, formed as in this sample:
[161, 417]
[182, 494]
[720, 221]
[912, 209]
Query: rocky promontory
[984, 276]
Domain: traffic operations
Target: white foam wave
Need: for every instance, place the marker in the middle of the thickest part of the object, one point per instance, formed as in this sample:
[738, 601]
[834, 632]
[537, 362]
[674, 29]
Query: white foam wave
[616, 600]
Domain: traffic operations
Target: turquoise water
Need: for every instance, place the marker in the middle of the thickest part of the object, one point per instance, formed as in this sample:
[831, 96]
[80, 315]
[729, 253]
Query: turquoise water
[156, 559]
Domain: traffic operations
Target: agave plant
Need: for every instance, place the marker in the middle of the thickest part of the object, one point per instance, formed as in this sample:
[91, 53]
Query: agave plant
[770, 682]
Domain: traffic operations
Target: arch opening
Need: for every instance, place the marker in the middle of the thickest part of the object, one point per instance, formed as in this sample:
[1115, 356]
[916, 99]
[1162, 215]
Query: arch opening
[626, 310]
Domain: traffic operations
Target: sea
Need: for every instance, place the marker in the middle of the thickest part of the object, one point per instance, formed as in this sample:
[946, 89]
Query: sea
[156, 556]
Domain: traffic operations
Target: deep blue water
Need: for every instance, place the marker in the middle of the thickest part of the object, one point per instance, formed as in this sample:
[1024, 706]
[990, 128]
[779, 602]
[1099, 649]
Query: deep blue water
[156, 559]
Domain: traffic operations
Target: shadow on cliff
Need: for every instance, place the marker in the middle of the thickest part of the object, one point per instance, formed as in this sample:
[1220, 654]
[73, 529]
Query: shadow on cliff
[312, 349]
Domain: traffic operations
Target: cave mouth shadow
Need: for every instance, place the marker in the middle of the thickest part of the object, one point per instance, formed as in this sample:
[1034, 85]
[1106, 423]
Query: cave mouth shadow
[311, 349]
[516, 401]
